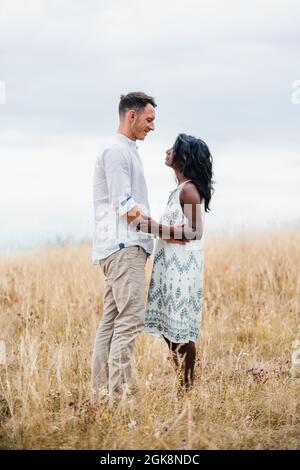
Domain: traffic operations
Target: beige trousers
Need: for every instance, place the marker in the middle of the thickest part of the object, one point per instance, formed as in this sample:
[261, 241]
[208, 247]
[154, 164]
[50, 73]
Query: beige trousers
[122, 320]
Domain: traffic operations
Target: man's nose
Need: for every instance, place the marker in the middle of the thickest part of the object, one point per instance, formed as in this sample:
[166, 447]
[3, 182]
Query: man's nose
[151, 126]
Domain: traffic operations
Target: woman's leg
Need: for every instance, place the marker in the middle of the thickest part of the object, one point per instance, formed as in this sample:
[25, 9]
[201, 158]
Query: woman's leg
[185, 355]
[188, 352]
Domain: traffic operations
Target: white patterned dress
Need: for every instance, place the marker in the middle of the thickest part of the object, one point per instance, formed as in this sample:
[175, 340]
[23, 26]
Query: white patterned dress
[176, 288]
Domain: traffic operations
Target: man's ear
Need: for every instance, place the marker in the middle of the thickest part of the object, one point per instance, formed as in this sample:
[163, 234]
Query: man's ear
[131, 115]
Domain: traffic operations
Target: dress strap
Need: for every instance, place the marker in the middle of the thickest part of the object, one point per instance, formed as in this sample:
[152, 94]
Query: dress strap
[184, 183]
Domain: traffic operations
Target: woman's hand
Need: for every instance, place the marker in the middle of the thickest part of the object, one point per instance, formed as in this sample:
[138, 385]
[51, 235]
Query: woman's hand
[147, 225]
[168, 233]
[178, 242]
[177, 237]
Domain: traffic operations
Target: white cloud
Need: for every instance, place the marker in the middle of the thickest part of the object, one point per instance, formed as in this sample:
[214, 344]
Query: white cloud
[221, 70]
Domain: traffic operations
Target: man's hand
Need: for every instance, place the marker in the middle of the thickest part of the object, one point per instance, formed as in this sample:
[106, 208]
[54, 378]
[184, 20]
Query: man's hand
[134, 214]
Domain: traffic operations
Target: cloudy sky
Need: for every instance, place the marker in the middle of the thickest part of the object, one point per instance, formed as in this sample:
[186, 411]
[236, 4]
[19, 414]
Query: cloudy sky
[225, 71]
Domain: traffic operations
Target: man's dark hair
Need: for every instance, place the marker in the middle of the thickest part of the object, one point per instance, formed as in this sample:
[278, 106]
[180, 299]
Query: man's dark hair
[136, 100]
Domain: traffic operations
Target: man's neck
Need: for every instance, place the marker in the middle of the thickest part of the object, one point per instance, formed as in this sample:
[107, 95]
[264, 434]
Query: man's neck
[126, 133]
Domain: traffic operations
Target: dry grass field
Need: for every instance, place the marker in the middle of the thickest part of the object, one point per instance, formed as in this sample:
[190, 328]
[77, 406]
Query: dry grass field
[246, 394]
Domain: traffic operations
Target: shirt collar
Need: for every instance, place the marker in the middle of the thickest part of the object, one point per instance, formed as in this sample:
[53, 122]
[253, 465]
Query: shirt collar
[125, 139]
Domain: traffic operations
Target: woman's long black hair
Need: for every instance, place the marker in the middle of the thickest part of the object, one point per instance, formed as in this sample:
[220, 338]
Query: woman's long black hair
[193, 158]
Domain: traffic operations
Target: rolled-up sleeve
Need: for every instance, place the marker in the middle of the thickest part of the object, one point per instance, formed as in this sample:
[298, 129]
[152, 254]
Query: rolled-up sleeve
[118, 178]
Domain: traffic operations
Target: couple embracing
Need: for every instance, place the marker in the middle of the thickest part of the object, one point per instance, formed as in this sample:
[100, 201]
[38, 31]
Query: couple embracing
[124, 233]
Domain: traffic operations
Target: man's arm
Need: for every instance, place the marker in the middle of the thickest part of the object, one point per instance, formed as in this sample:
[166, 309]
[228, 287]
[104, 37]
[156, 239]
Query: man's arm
[118, 179]
[120, 196]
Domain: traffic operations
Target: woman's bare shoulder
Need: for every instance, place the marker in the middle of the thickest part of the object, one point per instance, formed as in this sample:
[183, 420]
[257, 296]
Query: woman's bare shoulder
[189, 193]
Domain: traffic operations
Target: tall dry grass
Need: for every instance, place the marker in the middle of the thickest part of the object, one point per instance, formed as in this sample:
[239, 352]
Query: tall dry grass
[246, 394]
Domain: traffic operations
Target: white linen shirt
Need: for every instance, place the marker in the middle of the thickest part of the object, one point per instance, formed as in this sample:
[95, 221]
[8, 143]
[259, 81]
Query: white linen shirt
[119, 185]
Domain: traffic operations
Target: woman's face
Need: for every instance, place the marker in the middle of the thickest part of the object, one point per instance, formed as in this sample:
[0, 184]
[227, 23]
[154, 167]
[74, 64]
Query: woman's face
[169, 157]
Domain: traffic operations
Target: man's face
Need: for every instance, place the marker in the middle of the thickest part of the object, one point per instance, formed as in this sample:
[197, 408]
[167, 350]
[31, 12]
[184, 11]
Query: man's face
[143, 122]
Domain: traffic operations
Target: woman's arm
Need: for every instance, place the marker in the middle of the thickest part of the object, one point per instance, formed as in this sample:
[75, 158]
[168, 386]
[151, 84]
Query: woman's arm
[143, 223]
[190, 201]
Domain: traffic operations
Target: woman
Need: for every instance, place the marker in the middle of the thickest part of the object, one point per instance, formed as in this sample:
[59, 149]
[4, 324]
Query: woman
[175, 293]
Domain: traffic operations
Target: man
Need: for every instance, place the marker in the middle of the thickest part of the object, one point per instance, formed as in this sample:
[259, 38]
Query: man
[119, 189]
